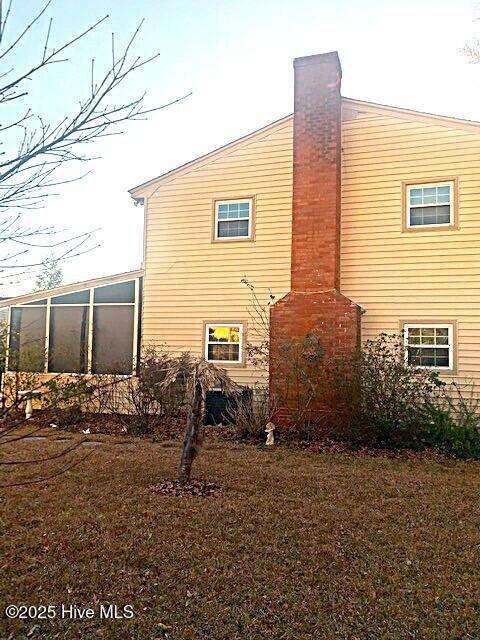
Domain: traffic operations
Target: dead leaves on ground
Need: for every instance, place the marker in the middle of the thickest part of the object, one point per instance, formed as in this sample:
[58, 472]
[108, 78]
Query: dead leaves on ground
[196, 487]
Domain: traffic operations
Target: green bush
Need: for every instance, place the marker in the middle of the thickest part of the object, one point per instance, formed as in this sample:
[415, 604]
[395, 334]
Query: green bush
[454, 421]
[68, 398]
[401, 406]
[375, 398]
[394, 396]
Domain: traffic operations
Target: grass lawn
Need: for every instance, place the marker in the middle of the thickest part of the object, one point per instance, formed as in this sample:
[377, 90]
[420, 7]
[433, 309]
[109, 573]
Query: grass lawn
[298, 545]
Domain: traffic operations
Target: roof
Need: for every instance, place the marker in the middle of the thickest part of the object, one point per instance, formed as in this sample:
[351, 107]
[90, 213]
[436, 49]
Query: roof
[69, 288]
[400, 112]
[138, 191]
[470, 125]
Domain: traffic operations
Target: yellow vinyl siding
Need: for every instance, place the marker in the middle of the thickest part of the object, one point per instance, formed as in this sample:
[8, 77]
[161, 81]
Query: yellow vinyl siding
[394, 276]
[429, 275]
[188, 278]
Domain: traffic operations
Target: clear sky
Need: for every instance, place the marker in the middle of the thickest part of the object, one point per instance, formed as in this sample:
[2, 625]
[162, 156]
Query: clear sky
[235, 56]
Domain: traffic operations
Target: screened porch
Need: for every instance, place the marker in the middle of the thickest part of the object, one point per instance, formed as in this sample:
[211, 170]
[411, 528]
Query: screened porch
[92, 327]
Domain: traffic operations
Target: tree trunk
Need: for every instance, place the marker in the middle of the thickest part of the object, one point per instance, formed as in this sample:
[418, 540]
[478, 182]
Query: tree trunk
[192, 434]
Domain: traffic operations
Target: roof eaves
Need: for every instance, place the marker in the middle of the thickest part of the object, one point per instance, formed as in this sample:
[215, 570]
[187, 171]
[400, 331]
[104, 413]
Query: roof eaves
[138, 191]
[410, 113]
[68, 288]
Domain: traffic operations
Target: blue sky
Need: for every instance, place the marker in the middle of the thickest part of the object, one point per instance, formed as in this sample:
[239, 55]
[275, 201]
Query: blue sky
[235, 56]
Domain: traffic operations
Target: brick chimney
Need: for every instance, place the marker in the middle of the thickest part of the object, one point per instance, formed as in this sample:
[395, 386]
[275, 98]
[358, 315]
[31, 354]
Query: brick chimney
[317, 128]
[315, 302]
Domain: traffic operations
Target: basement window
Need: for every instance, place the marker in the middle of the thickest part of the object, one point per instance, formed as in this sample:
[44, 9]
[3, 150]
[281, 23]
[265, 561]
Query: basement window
[429, 346]
[233, 219]
[223, 343]
[430, 205]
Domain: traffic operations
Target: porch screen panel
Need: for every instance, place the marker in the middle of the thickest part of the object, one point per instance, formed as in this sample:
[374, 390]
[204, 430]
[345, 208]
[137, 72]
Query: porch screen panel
[113, 339]
[120, 292]
[27, 339]
[68, 340]
[76, 297]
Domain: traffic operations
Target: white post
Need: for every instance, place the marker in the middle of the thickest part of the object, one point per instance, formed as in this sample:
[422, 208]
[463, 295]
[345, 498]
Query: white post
[28, 408]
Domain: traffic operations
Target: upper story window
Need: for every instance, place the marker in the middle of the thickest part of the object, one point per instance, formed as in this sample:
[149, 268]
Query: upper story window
[429, 345]
[223, 342]
[430, 205]
[233, 219]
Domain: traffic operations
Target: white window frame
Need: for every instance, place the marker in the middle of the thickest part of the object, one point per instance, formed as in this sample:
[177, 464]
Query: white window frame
[426, 185]
[431, 325]
[249, 218]
[208, 325]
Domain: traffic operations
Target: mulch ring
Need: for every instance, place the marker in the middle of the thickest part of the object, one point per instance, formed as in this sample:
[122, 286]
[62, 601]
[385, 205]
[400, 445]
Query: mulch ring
[195, 487]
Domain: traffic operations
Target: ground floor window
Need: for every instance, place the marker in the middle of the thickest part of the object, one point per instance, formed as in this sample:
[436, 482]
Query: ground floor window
[224, 342]
[93, 330]
[429, 345]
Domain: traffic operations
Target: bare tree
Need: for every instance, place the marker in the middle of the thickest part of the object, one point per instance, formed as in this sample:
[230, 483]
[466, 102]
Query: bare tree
[39, 154]
[36, 154]
[85, 390]
[472, 49]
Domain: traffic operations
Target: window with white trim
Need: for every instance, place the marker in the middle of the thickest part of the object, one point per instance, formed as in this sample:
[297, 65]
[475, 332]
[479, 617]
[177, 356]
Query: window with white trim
[233, 219]
[430, 205]
[429, 346]
[224, 342]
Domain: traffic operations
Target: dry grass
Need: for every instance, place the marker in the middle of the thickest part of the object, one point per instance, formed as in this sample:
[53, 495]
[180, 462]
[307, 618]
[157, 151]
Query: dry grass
[297, 545]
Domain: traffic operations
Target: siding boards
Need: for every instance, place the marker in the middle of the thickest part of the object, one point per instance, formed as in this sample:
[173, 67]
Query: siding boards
[190, 279]
[425, 275]
[392, 275]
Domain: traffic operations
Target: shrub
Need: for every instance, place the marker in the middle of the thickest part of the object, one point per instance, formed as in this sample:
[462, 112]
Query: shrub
[69, 397]
[62, 392]
[13, 383]
[403, 406]
[373, 397]
[298, 385]
[317, 393]
[394, 396]
[144, 400]
[454, 421]
[252, 413]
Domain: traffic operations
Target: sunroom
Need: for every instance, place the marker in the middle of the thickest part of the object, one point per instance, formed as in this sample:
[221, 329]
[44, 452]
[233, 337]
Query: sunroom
[91, 327]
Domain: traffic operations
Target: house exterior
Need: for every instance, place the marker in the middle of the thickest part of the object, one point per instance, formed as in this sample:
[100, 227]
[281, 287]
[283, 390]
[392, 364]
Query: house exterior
[358, 218]
[369, 213]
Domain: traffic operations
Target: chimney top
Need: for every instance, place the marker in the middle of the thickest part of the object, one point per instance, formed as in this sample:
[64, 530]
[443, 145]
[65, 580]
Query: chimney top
[331, 57]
